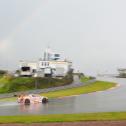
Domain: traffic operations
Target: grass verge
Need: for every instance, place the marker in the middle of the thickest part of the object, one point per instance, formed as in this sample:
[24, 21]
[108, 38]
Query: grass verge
[96, 86]
[85, 79]
[65, 118]
[10, 84]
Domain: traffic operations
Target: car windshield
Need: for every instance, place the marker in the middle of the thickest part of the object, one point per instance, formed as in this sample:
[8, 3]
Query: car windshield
[33, 95]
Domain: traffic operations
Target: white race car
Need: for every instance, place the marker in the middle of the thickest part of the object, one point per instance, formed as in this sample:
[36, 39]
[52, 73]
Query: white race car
[32, 98]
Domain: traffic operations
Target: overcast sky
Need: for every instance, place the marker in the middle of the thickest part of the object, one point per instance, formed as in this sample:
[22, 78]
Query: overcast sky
[91, 33]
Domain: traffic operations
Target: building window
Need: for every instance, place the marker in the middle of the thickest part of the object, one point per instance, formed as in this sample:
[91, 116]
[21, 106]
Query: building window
[34, 71]
[25, 68]
[57, 55]
[48, 63]
[45, 63]
[42, 63]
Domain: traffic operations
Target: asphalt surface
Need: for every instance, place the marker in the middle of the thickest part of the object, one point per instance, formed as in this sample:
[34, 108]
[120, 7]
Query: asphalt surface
[102, 101]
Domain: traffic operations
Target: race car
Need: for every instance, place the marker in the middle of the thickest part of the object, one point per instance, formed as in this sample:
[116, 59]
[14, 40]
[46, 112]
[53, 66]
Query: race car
[32, 98]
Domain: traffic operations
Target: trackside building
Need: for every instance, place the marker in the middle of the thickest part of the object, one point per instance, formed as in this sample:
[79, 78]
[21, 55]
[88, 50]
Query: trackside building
[51, 65]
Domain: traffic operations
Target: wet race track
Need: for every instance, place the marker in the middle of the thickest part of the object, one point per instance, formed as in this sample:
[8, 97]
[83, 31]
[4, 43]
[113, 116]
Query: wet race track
[106, 101]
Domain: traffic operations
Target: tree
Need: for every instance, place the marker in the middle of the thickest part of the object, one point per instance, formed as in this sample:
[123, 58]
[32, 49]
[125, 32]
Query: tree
[2, 72]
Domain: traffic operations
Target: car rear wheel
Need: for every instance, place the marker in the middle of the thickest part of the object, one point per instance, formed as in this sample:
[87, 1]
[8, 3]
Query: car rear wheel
[27, 102]
[44, 100]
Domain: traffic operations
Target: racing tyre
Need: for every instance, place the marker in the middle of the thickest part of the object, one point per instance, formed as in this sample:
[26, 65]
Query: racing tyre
[44, 100]
[27, 102]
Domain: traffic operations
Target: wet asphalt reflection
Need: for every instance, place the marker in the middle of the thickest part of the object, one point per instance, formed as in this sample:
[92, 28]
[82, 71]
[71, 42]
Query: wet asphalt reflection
[106, 101]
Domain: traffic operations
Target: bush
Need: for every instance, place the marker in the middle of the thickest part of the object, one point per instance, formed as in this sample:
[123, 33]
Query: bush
[90, 77]
[2, 72]
[14, 84]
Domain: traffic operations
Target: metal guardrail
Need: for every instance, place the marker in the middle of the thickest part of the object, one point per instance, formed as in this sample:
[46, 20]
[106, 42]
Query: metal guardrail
[76, 83]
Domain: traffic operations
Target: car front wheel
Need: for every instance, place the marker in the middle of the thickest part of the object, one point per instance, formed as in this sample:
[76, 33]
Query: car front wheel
[44, 100]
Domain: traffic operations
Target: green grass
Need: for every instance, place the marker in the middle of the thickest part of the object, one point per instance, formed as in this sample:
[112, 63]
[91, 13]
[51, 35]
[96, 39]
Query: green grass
[8, 99]
[10, 84]
[93, 87]
[96, 86]
[85, 79]
[64, 117]
[3, 80]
